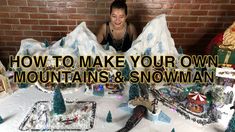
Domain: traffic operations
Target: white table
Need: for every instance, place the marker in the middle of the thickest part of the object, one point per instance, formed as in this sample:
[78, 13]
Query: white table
[15, 107]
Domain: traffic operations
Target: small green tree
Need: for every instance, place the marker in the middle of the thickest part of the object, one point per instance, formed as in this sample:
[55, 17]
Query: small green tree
[1, 120]
[21, 84]
[58, 102]
[46, 43]
[231, 125]
[27, 52]
[62, 42]
[134, 91]
[125, 71]
[109, 117]
[173, 130]
[180, 50]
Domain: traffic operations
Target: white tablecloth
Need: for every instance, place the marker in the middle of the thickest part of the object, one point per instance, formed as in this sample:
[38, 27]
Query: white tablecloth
[15, 107]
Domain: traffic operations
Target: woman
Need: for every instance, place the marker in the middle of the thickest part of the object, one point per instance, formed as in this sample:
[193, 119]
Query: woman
[118, 33]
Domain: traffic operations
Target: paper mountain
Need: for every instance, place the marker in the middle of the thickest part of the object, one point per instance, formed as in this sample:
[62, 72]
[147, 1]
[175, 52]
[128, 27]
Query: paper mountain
[154, 40]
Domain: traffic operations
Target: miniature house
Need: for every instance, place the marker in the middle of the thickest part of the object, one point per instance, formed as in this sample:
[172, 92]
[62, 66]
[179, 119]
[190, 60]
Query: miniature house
[196, 102]
[98, 90]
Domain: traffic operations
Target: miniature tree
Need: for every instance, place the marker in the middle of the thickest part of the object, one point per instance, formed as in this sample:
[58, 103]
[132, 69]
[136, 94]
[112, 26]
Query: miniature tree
[46, 43]
[147, 52]
[21, 84]
[109, 117]
[1, 120]
[133, 91]
[106, 47]
[231, 125]
[126, 71]
[75, 44]
[62, 42]
[209, 97]
[58, 102]
[180, 50]
[173, 130]
[27, 52]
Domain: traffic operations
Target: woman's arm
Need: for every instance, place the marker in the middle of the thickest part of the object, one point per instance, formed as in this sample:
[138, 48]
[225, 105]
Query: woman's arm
[133, 32]
[101, 33]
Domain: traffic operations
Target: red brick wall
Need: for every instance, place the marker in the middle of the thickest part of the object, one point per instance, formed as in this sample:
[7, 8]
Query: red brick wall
[192, 22]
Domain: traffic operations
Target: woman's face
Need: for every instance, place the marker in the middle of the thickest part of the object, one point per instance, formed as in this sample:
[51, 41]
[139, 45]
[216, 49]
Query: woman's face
[118, 17]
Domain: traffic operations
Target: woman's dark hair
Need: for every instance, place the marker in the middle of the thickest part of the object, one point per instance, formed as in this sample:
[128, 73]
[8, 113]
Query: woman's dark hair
[119, 4]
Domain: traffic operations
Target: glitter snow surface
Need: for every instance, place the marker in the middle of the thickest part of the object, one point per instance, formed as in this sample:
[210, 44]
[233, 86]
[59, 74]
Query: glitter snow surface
[79, 116]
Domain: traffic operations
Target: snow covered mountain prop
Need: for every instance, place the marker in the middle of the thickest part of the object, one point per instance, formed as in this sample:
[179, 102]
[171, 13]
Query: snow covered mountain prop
[80, 42]
[155, 40]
